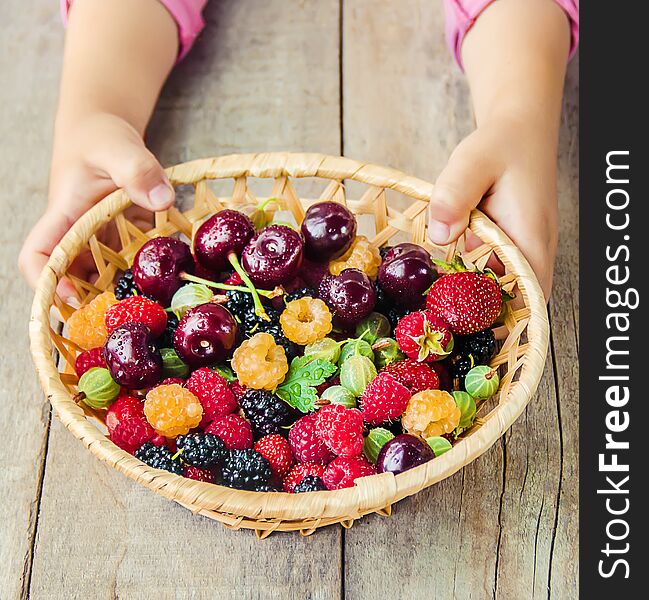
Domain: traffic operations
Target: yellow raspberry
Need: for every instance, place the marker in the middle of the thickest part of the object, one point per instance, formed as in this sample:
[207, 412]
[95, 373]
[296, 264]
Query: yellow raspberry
[361, 255]
[172, 410]
[306, 320]
[87, 325]
[260, 363]
[431, 413]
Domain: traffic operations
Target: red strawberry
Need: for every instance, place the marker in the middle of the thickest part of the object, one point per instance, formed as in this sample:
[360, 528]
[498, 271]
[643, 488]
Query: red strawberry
[424, 336]
[127, 425]
[341, 472]
[299, 472]
[89, 359]
[384, 399]
[140, 310]
[275, 449]
[415, 375]
[469, 302]
[235, 432]
[213, 392]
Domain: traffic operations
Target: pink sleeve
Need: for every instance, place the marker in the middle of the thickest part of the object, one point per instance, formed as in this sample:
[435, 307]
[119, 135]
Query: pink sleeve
[186, 13]
[462, 14]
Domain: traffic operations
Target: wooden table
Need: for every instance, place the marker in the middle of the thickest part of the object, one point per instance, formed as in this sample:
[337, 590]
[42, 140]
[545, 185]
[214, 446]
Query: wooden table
[368, 78]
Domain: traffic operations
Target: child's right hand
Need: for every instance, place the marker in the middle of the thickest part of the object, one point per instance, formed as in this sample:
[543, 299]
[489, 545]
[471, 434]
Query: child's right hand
[92, 157]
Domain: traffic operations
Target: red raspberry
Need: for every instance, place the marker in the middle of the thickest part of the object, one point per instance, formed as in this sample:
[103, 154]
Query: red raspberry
[235, 432]
[172, 380]
[234, 279]
[384, 399]
[306, 445]
[213, 392]
[127, 425]
[341, 472]
[441, 368]
[275, 449]
[341, 429]
[415, 375]
[89, 359]
[299, 472]
[238, 390]
[140, 310]
[424, 336]
[198, 474]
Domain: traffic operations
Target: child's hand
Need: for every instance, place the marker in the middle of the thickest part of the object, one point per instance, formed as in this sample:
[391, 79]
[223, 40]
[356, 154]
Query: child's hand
[507, 168]
[92, 157]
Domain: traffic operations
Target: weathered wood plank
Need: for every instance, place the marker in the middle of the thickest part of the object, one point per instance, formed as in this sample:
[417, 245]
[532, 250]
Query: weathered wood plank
[263, 76]
[31, 43]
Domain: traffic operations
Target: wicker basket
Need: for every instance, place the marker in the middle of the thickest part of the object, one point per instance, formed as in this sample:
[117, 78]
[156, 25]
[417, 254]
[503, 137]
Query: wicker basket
[522, 332]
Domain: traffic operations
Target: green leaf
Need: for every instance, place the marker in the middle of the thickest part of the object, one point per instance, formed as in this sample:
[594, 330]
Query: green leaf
[304, 374]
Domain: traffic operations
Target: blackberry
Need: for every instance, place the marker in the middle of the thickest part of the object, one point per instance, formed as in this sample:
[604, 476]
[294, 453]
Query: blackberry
[301, 293]
[239, 303]
[383, 303]
[266, 412]
[481, 345]
[310, 483]
[267, 487]
[252, 323]
[394, 427]
[201, 450]
[125, 286]
[459, 364]
[166, 340]
[275, 329]
[158, 457]
[395, 314]
[245, 470]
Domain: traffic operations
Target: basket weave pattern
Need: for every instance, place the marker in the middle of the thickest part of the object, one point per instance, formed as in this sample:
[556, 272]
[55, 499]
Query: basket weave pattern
[523, 331]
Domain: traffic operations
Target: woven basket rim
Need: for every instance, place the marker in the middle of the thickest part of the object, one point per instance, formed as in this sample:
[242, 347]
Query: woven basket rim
[369, 494]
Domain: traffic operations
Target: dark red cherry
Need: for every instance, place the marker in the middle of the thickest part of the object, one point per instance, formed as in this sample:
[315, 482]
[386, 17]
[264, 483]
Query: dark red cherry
[273, 256]
[403, 452]
[350, 296]
[225, 232]
[406, 273]
[313, 272]
[206, 335]
[329, 229]
[132, 358]
[157, 267]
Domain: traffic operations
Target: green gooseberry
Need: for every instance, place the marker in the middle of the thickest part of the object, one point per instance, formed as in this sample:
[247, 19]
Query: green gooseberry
[355, 348]
[325, 349]
[375, 440]
[373, 327]
[386, 351]
[466, 404]
[356, 373]
[189, 296]
[97, 388]
[438, 445]
[337, 394]
[482, 382]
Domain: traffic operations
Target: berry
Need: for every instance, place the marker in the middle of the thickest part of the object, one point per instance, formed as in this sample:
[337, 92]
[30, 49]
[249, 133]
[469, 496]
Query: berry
[356, 373]
[127, 426]
[235, 432]
[198, 474]
[306, 320]
[466, 404]
[402, 453]
[170, 380]
[132, 358]
[158, 265]
[234, 279]
[373, 327]
[206, 335]
[306, 445]
[341, 472]
[266, 412]
[395, 314]
[245, 470]
[89, 359]
[276, 450]
[416, 376]
[299, 472]
[273, 256]
[362, 255]
[227, 232]
[384, 399]
[158, 457]
[482, 382]
[166, 340]
[238, 390]
[97, 388]
[300, 293]
[172, 410]
[125, 286]
[266, 487]
[329, 228]
[350, 296]
[260, 363]
[459, 365]
[386, 352]
[424, 336]
[239, 303]
[201, 449]
[86, 326]
[481, 345]
[341, 429]
[310, 483]
[275, 329]
[375, 440]
[213, 392]
[431, 413]
[468, 302]
[139, 310]
[337, 394]
[188, 296]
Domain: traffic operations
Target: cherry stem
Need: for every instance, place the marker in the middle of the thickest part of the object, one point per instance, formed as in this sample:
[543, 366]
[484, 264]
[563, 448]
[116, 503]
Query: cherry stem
[224, 286]
[259, 308]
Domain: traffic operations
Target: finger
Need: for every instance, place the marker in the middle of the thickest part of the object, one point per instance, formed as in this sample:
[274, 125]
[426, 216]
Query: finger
[467, 177]
[133, 167]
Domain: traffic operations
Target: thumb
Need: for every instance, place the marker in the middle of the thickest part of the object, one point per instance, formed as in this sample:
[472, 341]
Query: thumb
[129, 163]
[467, 177]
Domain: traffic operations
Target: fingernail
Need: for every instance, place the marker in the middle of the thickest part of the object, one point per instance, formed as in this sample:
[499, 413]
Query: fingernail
[161, 196]
[438, 232]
